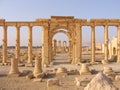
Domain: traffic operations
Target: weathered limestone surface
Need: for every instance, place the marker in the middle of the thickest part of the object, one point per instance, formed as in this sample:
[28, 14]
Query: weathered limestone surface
[107, 70]
[84, 70]
[106, 43]
[18, 43]
[53, 82]
[30, 45]
[14, 67]
[93, 44]
[4, 44]
[100, 82]
[38, 67]
[118, 45]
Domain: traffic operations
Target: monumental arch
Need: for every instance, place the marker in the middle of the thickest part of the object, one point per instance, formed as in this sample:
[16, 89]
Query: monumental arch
[69, 25]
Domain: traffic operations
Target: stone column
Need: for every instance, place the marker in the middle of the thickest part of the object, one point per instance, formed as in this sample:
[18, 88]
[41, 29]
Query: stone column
[74, 49]
[80, 43]
[14, 71]
[50, 49]
[4, 45]
[118, 45]
[70, 50]
[105, 44]
[45, 53]
[59, 46]
[64, 46]
[37, 68]
[17, 43]
[92, 44]
[54, 46]
[77, 44]
[30, 45]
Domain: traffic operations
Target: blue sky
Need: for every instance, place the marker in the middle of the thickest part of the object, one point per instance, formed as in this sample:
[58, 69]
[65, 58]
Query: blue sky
[29, 10]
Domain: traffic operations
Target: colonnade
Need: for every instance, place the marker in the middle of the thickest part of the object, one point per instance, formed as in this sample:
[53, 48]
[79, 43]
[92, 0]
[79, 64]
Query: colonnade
[74, 31]
[17, 46]
[77, 48]
[59, 47]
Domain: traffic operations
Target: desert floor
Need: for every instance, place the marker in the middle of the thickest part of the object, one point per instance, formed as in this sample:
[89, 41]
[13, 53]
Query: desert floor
[66, 83]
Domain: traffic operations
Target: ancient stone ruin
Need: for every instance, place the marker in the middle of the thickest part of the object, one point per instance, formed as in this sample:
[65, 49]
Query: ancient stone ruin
[100, 82]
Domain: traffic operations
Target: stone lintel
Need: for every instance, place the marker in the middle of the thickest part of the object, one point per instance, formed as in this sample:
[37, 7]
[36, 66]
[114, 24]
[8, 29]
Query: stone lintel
[62, 17]
[98, 20]
[1, 23]
[42, 20]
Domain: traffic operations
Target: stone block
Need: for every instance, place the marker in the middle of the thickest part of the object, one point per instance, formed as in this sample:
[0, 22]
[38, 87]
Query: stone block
[30, 76]
[53, 82]
[37, 79]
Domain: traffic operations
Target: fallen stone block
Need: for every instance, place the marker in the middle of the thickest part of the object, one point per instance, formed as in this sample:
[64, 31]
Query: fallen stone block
[53, 82]
[30, 76]
[82, 81]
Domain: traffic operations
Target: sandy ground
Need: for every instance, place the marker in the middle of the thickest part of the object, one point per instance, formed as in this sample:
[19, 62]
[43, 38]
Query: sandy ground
[66, 83]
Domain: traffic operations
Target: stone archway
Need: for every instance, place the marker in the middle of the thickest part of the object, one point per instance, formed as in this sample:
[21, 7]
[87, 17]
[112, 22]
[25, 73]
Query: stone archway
[74, 41]
[59, 49]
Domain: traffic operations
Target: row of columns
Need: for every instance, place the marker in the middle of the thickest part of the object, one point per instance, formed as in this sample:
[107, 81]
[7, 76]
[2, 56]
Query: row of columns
[17, 48]
[57, 45]
[76, 49]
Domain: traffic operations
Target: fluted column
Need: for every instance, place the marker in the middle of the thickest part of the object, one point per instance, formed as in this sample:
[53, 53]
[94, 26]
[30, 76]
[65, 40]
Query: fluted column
[118, 45]
[30, 45]
[106, 44]
[45, 53]
[4, 44]
[17, 43]
[92, 44]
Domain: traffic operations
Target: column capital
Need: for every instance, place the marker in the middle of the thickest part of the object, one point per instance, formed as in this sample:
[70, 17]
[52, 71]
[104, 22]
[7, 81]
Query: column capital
[92, 24]
[93, 27]
[105, 25]
[30, 26]
[18, 26]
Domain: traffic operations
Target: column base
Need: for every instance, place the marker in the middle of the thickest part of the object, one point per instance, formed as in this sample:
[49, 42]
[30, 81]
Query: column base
[45, 65]
[13, 75]
[72, 62]
[3, 64]
[21, 65]
[118, 61]
[104, 62]
[29, 65]
[94, 63]
[79, 63]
